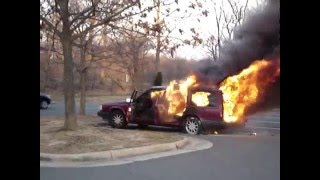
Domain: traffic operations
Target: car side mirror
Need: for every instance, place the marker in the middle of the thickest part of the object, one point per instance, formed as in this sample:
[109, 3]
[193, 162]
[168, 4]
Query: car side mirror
[128, 99]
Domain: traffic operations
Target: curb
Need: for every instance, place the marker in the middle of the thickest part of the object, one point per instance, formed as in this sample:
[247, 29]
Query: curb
[115, 154]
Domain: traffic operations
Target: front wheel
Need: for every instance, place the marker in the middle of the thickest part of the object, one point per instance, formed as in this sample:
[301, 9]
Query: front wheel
[192, 126]
[44, 104]
[118, 119]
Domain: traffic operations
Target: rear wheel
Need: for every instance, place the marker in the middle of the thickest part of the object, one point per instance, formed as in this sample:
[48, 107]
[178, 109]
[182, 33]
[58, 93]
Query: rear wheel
[117, 119]
[192, 126]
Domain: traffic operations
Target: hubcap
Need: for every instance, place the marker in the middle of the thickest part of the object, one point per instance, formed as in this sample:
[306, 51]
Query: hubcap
[117, 119]
[44, 104]
[192, 126]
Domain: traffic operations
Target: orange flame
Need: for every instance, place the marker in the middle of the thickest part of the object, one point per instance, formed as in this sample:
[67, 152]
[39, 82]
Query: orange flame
[176, 94]
[200, 98]
[243, 90]
[155, 94]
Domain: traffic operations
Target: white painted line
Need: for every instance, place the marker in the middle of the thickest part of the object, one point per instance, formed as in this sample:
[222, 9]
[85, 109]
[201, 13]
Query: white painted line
[265, 117]
[267, 114]
[273, 122]
[255, 127]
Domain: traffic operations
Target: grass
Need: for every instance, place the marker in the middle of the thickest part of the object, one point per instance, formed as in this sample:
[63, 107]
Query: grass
[94, 135]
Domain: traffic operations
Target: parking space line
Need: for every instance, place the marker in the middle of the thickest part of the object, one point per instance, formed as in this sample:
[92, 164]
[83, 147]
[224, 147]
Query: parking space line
[271, 122]
[257, 127]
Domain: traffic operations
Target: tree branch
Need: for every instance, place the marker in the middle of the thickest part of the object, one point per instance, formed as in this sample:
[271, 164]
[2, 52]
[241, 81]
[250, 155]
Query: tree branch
[51, 26]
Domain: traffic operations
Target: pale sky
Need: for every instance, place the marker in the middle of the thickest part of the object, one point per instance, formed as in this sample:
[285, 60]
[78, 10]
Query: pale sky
[205, 27]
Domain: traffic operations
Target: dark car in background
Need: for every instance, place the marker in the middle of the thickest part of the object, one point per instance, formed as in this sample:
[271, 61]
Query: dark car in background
[45, 101]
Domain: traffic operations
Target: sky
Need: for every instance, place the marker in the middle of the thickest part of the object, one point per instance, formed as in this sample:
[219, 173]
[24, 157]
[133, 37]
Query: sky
[205, 27]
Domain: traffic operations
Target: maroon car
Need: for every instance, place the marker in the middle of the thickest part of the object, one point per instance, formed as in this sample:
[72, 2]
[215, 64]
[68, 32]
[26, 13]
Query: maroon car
[145, 110]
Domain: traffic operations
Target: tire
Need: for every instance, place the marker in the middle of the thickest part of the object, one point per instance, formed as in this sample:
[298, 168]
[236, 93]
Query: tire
[117, 119]
[192, 126]
[44, 104]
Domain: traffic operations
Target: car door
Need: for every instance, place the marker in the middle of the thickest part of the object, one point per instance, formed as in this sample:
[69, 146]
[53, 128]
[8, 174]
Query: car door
[161, 111]
[143, 109]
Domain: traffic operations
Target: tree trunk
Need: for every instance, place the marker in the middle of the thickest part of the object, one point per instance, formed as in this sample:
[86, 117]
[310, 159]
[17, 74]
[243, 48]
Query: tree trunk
[83, 74]
[83, 93]
[157, 62]
[70, 122]
[136, 73]
[46, 80]
[70, 113]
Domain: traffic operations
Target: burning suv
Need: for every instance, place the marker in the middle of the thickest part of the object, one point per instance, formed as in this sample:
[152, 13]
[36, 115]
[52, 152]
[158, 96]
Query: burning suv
[200, 109]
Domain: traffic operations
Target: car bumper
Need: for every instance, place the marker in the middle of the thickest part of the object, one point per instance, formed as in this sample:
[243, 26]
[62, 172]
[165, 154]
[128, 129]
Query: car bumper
[102, 114]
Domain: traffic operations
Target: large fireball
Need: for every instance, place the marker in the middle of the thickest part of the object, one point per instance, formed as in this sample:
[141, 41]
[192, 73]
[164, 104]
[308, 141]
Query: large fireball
[242, 91]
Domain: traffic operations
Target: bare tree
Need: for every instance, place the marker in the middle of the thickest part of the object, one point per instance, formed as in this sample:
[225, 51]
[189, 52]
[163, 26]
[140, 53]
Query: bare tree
[165, 43]
[226, 21]
[236, 17]
[132, 49]
[59, 17]
[49, 57]
[212, 47]
[213, 43]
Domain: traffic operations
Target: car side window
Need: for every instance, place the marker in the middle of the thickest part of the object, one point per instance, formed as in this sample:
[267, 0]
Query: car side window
[204, 99]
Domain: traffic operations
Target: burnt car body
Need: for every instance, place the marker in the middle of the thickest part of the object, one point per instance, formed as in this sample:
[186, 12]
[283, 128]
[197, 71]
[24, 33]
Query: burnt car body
[145, 111]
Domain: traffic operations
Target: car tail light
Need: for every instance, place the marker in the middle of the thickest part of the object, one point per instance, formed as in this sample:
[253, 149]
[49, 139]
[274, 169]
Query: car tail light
[129, 109]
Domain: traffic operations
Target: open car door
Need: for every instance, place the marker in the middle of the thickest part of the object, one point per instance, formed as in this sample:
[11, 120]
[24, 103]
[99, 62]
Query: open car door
[143, 109]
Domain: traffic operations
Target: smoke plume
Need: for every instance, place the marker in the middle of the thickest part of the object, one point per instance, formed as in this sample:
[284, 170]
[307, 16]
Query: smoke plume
[257, 38]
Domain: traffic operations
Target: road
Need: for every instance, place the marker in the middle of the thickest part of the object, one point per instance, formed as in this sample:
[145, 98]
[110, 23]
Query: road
[57, 109]
[236, 155]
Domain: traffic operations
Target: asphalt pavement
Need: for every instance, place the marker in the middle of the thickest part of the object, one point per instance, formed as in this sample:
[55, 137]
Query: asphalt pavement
[57, 109]
[236, 155]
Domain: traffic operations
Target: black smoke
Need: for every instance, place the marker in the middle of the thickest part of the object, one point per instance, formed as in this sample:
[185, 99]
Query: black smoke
[256, 38]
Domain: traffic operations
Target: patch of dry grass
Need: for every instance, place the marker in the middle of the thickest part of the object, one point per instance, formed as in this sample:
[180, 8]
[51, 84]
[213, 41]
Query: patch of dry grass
[94, 135]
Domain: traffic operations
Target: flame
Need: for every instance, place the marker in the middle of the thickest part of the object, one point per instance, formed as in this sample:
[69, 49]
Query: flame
[155, 94]
[243, 90]
[176, 94]
[200, 98]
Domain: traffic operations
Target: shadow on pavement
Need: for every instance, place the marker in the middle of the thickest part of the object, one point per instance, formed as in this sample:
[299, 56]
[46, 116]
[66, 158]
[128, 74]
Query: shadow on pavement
[231, 131]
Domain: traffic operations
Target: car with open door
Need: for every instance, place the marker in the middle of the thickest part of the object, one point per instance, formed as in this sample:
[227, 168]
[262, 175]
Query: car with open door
[148, 109]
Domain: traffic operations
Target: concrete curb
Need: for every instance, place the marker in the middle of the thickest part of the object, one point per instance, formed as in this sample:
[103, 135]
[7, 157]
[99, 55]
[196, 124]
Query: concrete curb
[115, 154]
